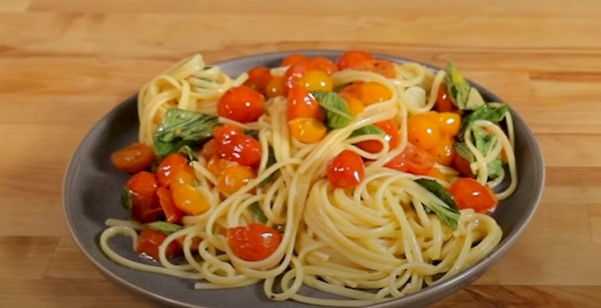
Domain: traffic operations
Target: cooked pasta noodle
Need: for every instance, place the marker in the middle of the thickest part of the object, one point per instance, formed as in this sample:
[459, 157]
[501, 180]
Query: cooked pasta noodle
[368, 244]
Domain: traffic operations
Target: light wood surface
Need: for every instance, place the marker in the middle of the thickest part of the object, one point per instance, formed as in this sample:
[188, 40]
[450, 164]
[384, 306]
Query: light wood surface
[65, 63]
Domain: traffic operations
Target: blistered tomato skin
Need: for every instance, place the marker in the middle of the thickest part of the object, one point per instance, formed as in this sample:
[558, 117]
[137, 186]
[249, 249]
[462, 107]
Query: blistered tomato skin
[470, 194]
[243, 104]
[346, 170]
[254, 242]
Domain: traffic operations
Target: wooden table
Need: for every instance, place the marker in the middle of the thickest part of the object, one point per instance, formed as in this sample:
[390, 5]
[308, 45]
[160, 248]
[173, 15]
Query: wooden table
[65, 63]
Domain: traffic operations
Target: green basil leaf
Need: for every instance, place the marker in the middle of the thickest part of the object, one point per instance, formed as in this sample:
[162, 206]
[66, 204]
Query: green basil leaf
[495, 168]
[270, 161]
[187, 150]
[367, 130]
[484, 112]
[457, 86]
[337, 111]
[447, 215]
[435, 188]
[127, 203]
[181, 127]
[462, 149]
[165, 227]
[259, 214]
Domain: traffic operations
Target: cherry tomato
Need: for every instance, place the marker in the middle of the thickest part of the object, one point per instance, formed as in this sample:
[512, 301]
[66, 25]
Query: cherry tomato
[133, 158]
[435, 173]
[412, 160]
[444, 151]
[209, 149]
[240, 148]
[294, 73]
[367, 92]
[233, 177]
[423, 131]
[187, 197]
[346, 170]
[172, 213]
[258, 77]
[462, 165]
[254, 242]
[294, 59]
[351, 58]
[382, 67]
[149, 241]
[274, 87]
[449, 123]
[216, 165]
[307, 130]
[142, 188]
[242, 104]
[225, 132]
[316, 80]
[324, 64]
[391, 135]
[355, 106]
[169, 166]
[443, 100]
[301, 104]
[470, 194]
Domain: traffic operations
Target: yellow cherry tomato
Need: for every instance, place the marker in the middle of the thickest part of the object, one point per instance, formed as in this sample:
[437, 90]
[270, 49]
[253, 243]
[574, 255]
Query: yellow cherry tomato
[188, 198]
[423, 131]
[316, 80]
[275, 87]
[450, 122]
[444, 151]
[307, 130]
[367, 92]
[233, 177]
[355, 106]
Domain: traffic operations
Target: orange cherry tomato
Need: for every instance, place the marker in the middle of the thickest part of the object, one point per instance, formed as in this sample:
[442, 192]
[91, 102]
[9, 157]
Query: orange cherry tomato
[351, 58]
[294, 59]
[316, 80]
[435, 173]
[449, 123]
[470, 194]
[172, 213]
[242, 104]
[391, 135]
[355, 106]
[258, 77]
[367, 92]
[216, 165]
[412, 160]
[188, 198]
[133, 158]
[382, 67]
[444, 151]
[443, 100]
[274, 87]
[301, 104]
[240, 148]
[423, 131]
[324, 64]
[307, 130]
[233, 177]
[169, 167]
[346, 170]
[254, 242]
[142, 188]
[209, 149]
[149, 241]
[462, 165]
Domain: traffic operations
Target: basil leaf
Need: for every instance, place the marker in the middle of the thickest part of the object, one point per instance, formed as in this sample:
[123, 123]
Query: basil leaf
[367, 130]
[259, 214]
[127, 203]
[448, 216]
[484, 141]
[337, 111]
[434, 187]
[181, 127]
[484, 112]
[463, 151]
[187, 150]
[457, 86]
[270, 161]
[495, 168]
[165, 227]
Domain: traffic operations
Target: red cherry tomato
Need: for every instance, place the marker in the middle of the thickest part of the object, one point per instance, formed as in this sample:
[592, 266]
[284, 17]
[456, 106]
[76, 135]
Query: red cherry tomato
[469, 193]
[324, 64]
[462, 165]
[294, 59]
[169, 167]
[209, 149]
[235, 146]
[294, 73]
[142, 188]
[254, 242]
[351, 58]
[242, 104]
[413, 160]
[346, 170]
[172, 213]
[382, 67]
[258, 77]
[443, 100]
[300, 104]
[149, 241]
[133, 158]
[391, 135]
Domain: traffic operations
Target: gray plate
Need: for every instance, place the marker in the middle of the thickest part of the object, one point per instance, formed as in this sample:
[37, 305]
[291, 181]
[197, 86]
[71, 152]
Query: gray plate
[92, 188]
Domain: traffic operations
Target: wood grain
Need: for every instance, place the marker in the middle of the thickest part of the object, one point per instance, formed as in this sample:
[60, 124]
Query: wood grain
[66, 63]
